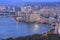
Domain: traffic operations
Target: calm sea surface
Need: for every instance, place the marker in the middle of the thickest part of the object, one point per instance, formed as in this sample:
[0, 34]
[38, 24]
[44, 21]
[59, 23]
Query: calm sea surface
[9, 28]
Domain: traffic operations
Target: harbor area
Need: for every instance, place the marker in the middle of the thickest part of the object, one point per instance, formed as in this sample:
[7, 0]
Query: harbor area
[30, 21]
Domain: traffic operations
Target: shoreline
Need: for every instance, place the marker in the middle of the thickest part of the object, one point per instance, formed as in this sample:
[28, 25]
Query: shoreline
[37, 37]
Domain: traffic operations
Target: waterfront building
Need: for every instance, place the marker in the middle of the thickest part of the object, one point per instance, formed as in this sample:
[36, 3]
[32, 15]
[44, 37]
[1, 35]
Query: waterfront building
[58, 19]
[24, 9]
[44, 12]
[2, 8]
[59, 29]
[13, 9]
[8, 8]
[34, 17]
[56, 28]
[51, 20]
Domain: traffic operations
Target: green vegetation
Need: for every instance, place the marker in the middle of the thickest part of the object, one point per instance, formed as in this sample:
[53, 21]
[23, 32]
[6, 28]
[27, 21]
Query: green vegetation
[37, 37]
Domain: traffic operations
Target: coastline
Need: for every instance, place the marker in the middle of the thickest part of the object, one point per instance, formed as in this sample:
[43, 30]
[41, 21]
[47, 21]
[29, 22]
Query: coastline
[37, 37]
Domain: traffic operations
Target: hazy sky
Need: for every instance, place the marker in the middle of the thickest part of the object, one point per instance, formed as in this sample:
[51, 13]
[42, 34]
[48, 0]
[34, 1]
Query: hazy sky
[20, 1]
[30, 0]
[42, 0]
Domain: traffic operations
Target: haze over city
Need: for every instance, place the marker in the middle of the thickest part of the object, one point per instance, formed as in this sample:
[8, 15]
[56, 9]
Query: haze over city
[20, 1]
[29, 19]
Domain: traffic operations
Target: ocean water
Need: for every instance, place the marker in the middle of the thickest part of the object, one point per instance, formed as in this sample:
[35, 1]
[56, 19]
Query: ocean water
[9, 28]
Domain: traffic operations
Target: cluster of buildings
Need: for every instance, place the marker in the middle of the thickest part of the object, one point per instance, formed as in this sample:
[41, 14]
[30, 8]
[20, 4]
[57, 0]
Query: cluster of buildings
[42, 14]
[9, 8]
[36, 13]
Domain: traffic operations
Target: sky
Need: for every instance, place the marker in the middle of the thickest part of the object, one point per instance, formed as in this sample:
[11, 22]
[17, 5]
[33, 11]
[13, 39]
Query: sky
[30, 0]
[21, 1]
[42, 0]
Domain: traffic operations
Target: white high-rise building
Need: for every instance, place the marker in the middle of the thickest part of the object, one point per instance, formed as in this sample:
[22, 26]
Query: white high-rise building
[23, 9]
[13, 9]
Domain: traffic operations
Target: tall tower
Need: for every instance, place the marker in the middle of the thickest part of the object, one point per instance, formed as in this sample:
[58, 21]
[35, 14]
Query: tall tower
[13, 8]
